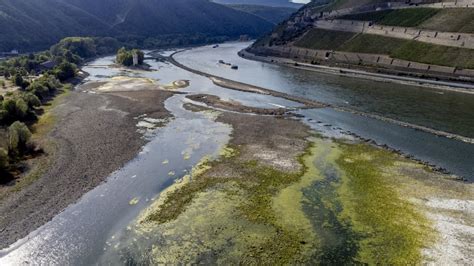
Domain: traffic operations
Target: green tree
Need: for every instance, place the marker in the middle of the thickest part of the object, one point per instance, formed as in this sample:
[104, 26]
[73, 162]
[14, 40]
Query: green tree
[17, 79]
[65, 71]
[21, 108]
[18, 137]
[38, 88]
[124, 57]
[3, 160]
[31, 100]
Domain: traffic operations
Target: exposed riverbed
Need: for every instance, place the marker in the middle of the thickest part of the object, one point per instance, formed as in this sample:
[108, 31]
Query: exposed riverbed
[228, 180]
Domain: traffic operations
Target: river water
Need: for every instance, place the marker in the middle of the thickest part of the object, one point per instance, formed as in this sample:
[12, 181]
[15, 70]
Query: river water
[442, 110]
[83, 232]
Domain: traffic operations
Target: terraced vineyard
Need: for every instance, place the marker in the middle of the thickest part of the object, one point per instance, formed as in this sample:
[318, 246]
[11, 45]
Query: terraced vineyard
[450, 19]
[320, 39]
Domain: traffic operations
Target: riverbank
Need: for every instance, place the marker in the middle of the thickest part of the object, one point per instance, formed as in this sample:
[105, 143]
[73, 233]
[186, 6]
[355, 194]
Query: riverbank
[465, 87]
[279, 194]
[93, 134]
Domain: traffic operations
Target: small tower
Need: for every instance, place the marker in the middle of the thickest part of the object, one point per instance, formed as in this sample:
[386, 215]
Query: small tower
[135, 58]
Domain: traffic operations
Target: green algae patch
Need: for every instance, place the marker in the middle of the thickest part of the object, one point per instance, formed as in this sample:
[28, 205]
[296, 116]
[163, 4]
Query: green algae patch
[228, 152]
[134, 201]
[390, 229]
[231, 219]
[346, 206]
[291, 244]
[174, 200]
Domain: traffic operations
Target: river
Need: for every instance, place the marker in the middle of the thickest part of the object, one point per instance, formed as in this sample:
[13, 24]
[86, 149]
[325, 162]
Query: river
[83, 233]
[437, 109]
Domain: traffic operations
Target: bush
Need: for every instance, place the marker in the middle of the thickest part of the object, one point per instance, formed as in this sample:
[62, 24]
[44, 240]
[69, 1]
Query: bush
[14, 109]
[31, 100]
[65, 71]
[38, 88]
[3, 160]
[21, 108]
[18, 137]
[17, 79]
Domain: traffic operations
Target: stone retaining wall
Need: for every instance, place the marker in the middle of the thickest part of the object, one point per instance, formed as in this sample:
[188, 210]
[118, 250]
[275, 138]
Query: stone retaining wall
[453, 4]
[461, 40]
[382, 61]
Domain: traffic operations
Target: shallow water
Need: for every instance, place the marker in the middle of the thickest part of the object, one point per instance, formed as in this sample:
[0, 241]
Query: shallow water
[437, 109]
[441, 110]
[79, 234]
[83, 232]
[88, 230]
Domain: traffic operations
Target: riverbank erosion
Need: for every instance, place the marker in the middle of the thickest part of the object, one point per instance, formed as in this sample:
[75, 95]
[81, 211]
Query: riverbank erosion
[281, 194]
[93, 131]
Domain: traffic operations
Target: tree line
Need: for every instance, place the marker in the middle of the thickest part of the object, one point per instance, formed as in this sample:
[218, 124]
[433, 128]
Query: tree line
[39, 77]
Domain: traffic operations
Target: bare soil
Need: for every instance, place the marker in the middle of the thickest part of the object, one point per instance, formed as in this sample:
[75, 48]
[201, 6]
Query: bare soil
[216, 102]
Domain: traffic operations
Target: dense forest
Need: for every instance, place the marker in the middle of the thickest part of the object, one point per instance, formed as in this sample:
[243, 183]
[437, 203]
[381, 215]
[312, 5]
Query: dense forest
[35, 25]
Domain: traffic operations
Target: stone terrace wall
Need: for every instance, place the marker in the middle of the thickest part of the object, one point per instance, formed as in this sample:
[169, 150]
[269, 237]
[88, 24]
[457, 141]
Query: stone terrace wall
[381, 61]
[397, 5]
[453, 4]
[461, 40]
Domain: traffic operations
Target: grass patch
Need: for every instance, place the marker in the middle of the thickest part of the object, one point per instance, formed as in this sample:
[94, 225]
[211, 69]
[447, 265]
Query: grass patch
[435, 54]
[451, 20]
[372, 44]
[390, 230]
[47, 120]
[324, 39]
[400, 17]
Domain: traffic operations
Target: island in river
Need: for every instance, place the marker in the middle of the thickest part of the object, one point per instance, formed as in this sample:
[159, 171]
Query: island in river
[234, 176]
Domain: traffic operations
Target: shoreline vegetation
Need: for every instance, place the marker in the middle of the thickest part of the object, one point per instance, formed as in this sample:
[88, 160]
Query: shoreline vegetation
[30, 85]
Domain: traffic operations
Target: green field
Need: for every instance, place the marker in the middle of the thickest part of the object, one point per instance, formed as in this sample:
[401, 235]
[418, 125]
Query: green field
[324, 39]
[396, 48]
[401, 17]
[452, 20]
[371, 44]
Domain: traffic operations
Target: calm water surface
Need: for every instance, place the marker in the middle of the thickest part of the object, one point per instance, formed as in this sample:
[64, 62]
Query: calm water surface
[442, 110]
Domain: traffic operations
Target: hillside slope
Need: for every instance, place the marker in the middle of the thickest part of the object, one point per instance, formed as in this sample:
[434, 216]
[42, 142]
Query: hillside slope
[274, 3]
[29, 25]
[272, 14]
[406, 38]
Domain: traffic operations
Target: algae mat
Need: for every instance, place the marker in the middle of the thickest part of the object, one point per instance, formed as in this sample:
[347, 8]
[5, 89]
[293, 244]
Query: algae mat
[350, 203]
